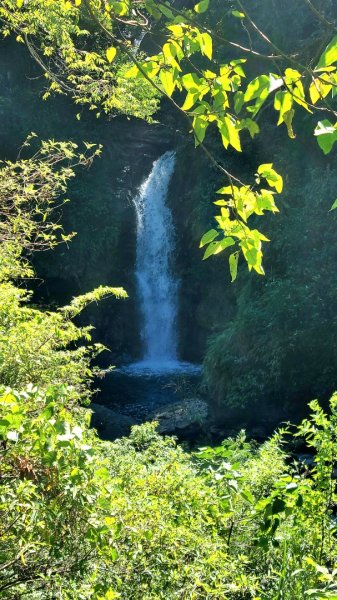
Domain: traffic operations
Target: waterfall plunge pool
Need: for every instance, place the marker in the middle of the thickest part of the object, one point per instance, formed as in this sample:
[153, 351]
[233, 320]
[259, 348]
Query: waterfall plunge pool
[141, 393]
[152, 368]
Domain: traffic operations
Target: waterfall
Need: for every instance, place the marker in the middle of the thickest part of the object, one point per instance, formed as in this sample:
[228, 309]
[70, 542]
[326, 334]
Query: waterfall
[137, 42]
[156, 286]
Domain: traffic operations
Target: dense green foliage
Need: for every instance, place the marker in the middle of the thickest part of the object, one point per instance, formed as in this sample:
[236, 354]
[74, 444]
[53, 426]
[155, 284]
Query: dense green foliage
[81, 46]
[143, 518]
[55, 36]
[282, 329]
[140, 518]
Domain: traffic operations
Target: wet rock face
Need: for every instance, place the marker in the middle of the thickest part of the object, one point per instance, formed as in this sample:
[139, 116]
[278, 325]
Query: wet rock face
[110, 424]
[184, 419]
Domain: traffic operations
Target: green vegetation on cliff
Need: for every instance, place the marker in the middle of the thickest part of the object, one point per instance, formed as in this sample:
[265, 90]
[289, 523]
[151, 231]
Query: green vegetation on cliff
[144, 518]
[140, 518]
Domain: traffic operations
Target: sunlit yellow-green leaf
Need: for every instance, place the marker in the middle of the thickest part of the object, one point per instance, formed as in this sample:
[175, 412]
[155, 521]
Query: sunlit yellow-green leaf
[259, 89]
[238, 14]
[320, 87]
[191, 82]
[329, 55]
[208, 237]
[166, 78]
[206, 45]
[227, 189]
[283, 103]
[217, 247]
[111, 53]
[272, 177]
[119, 8]
[229, 133]
[190, 100]
[200, 124]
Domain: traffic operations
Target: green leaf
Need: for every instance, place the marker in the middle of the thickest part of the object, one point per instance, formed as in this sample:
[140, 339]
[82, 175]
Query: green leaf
[247, 495]
[191, 82]
[206, 45]
[238, 101]
[166, 78]
[210, 250]
[238, 14]
[202, 6]
[233, 265]
[234, 136]
[228, 190]
[321, 87]
[200, 125]
[329, 55]
[271, 176]
[217, 247]
[283, 103]
[151, 7]
[265, 201]
[278, 506]
[258, 89]
[251, 125]
[166, 11]
[326, 134]
[111, 594]
[208, 237]
[170, 53]
[111, 53]
[190, 100]
[288, 119]
[229, 133]
[132, 72]
[334, 206]
[119, 8]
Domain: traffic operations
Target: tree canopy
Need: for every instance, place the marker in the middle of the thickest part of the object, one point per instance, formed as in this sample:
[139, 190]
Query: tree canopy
[90, 50]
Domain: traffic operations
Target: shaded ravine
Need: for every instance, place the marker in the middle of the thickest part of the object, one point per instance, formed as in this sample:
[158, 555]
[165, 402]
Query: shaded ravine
[159, 380]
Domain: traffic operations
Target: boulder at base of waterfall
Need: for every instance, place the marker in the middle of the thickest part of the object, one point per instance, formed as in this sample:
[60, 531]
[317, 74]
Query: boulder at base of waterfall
[182, 418]
[110, 424]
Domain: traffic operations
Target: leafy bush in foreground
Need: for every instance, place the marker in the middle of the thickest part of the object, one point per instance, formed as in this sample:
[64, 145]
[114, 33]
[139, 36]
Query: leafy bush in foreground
[141, 518]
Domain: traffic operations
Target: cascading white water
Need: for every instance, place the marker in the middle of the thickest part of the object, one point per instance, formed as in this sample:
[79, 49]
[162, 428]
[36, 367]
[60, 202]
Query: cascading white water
[157, 288]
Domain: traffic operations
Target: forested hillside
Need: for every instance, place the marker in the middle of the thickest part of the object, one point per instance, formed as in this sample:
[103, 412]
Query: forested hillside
[167, 206]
